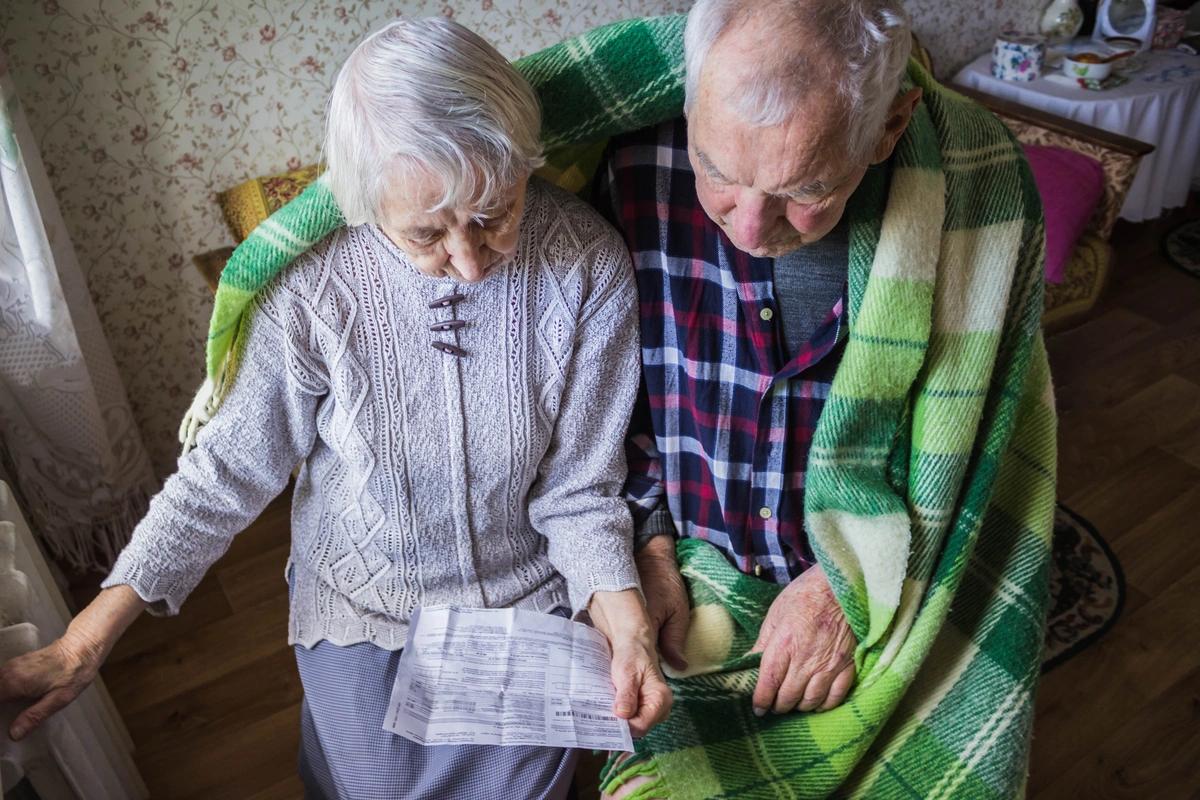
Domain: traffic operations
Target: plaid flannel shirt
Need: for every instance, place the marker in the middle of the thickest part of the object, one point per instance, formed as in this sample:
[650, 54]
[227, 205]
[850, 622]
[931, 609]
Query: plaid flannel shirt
[726, 419]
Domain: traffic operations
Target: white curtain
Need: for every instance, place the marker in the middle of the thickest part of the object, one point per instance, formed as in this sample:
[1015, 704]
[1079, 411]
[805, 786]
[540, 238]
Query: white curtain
[68, 444]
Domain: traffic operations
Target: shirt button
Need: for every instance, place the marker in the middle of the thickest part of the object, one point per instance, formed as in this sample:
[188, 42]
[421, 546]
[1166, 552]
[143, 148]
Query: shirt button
[758, 570]
[766, 314]
[764, 512]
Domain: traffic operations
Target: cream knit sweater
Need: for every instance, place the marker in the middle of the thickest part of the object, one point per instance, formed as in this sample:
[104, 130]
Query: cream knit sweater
[487, 473]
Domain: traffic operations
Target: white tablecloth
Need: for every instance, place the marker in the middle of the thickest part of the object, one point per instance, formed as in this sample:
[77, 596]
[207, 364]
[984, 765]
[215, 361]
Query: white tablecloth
[1160, 104]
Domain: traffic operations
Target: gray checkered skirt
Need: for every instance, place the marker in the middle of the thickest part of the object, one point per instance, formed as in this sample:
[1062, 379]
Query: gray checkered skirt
[345, 753]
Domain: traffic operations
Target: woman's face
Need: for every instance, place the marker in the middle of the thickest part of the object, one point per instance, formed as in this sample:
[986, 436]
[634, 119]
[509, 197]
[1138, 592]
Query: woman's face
[465, 244]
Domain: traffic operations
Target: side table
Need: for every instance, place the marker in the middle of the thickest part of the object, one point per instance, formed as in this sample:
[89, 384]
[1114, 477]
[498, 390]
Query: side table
[1160, 104]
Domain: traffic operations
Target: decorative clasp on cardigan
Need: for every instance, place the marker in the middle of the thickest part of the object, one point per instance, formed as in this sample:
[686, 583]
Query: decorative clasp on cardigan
[448, 300]
[448, 325]
[448, 349]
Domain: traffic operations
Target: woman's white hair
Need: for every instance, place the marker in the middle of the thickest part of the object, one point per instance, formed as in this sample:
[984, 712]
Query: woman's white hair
[427, 98]
[861, 47]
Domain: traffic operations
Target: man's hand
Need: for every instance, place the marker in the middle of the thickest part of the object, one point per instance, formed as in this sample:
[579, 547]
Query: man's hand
[666, 598]
[807, 649]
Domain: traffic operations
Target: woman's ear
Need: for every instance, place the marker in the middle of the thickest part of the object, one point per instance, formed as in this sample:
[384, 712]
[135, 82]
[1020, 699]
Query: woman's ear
[899, 115]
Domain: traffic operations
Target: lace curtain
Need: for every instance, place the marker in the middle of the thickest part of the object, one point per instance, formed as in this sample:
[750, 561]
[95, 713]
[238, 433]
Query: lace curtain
[68, 443]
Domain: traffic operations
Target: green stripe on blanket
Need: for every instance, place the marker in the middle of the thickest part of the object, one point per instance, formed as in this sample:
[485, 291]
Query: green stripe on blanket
[930, 485]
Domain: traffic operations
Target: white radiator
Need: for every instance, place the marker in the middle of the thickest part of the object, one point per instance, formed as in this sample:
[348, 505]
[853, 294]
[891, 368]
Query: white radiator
[84, 752]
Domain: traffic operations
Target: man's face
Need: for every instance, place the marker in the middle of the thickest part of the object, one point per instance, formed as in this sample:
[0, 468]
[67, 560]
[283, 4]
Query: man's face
[771, 189]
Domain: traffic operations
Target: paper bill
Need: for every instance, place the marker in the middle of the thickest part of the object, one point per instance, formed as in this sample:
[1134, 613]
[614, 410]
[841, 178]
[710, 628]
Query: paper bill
[504, 677]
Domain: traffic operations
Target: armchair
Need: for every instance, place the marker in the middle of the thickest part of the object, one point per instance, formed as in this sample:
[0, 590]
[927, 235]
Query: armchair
[1088, 268]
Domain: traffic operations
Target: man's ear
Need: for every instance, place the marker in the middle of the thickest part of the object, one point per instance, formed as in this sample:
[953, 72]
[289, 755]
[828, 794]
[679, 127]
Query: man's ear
[899, 115]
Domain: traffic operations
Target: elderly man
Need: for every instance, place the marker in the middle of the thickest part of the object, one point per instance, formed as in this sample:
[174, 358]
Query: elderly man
[734, 215]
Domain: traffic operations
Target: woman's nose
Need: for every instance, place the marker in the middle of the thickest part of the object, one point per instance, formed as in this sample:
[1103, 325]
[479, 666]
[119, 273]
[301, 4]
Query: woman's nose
[468, 255]
[753, 219]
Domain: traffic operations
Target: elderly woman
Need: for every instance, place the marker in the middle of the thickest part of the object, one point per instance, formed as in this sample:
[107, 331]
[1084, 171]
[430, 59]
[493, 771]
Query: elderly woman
[453, 372]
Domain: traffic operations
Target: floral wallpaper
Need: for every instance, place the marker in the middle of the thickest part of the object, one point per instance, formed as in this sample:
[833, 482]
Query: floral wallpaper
[145, 109]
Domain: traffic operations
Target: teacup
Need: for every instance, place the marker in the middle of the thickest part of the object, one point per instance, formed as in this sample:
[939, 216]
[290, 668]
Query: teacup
[1089, 66]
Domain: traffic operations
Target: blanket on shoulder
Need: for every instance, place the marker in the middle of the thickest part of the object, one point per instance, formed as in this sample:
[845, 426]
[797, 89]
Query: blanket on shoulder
[930, 486]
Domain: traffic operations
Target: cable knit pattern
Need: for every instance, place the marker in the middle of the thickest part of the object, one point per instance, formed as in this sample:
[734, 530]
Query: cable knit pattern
[488, 480]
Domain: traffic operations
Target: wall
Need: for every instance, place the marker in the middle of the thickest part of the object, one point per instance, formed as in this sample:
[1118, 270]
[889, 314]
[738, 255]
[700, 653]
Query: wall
[144, 109]
[956, 31]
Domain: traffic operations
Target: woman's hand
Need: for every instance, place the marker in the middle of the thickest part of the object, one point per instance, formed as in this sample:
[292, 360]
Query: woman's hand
[52, 676]
[642, 695]
[55, 675]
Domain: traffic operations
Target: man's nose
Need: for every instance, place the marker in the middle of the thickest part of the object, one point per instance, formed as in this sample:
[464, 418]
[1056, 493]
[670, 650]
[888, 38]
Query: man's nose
[467, 255]
[754, 218]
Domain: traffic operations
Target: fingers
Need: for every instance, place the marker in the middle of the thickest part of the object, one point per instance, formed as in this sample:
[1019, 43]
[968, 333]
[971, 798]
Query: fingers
[52, 677]
[655, 705]
[625, 703]
[792, 690]
[816, 691]
[770, 677]
[641, 694]
[673, 636]
[29, 719]
[840, 689]
[788, 682]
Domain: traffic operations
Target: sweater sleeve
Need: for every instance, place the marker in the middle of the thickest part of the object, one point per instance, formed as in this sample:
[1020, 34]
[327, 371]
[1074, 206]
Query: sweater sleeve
[242, 459]
[577, 502]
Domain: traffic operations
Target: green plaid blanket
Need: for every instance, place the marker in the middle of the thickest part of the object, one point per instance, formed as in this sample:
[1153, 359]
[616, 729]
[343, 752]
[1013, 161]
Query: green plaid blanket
[930, 486]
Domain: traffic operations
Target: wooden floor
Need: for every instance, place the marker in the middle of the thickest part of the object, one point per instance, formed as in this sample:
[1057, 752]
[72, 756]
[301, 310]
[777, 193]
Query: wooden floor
[1122, 719]
[212, 697]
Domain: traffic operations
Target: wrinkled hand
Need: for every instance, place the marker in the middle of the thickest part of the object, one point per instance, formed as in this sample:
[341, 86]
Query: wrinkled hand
[52, 677]
[807, 649]
[641, 693]
[55, 675]
[666, 598]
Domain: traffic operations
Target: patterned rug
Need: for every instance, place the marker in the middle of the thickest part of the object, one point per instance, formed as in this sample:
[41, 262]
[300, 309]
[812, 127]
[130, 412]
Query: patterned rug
[1087, 589]
[1182, 247]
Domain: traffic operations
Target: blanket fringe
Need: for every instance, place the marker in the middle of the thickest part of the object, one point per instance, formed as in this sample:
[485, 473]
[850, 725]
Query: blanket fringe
[654, 790]
[617, 772]
[204, 406]
[618, 762]
[198, 414]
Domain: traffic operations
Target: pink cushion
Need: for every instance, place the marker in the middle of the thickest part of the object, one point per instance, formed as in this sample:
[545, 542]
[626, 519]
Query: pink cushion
[1071, 185]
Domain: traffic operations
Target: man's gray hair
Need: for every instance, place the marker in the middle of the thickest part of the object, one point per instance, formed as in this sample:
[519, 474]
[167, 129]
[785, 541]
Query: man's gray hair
[429, 98]
[860, 46]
